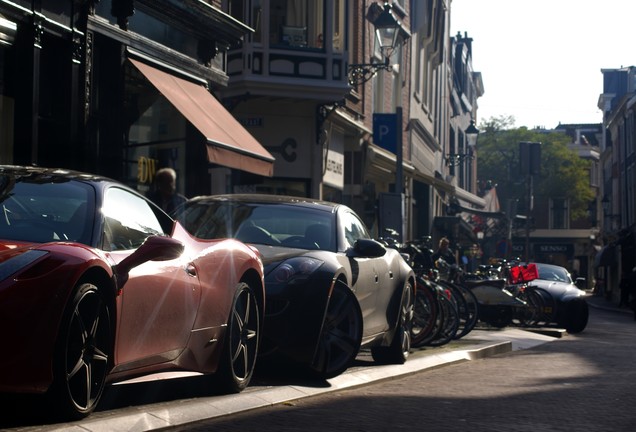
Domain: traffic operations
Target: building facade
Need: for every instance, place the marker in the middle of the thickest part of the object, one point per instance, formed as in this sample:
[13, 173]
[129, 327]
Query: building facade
[618, 181]
[248, 96]
[122, 88]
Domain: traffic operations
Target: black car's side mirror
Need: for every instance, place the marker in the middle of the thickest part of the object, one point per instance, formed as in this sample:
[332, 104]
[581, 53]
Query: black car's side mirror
[580, 282]
[367, 248]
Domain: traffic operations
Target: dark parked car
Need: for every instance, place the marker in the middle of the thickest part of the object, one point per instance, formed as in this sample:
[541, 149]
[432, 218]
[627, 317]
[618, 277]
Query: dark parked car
[568, 307]
[97, 285]
[330, 288]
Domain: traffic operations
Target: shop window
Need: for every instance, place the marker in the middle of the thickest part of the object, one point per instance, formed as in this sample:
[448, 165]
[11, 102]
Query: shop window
[156, 133]
[297, 23]
[7, 104]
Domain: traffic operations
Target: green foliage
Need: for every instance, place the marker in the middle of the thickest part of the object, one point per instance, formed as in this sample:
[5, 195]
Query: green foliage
[563, 173]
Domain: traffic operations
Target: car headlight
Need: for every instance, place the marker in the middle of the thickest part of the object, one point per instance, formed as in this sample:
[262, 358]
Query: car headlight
[295, 268]
[18, 262]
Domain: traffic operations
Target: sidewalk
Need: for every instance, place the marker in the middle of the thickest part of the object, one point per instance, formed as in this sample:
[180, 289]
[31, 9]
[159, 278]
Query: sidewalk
[480, 343]
[476, 345]
[599, 302]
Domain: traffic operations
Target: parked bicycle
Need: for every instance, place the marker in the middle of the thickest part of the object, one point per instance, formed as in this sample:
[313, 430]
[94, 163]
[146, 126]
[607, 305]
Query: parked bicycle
[436, 316]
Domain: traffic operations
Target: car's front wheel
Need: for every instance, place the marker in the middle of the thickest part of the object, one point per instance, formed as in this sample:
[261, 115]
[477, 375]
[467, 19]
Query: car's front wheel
[82, 354]
[241, 342]
[341, 334]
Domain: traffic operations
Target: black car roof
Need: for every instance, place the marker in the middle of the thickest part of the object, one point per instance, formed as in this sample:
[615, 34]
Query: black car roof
[35, 174]
[309, 203]
[51, 173]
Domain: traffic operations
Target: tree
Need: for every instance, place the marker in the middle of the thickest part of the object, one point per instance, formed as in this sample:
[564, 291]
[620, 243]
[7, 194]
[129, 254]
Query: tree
[563, 174]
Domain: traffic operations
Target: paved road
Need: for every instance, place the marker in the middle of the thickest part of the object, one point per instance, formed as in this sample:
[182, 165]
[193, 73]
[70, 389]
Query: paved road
[584, 382]
[587, 376]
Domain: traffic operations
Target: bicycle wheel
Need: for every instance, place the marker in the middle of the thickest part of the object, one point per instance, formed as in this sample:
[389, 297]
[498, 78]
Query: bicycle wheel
[467, 307]
[531, 313]
[450, 318]
[426, 314]
[548, 312]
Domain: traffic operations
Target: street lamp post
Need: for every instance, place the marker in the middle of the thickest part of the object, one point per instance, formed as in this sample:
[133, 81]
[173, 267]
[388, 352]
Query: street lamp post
[471, 132]
[388, 33]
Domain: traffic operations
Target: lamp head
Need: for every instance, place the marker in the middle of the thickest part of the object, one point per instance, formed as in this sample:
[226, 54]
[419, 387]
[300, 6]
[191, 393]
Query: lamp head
[471, 134]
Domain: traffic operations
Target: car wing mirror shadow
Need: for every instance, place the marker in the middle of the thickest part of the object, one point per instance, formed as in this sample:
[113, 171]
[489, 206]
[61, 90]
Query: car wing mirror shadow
[154, 248]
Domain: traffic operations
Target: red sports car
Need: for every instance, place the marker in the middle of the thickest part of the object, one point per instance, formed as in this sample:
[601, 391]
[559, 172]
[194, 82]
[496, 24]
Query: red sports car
[97, 285]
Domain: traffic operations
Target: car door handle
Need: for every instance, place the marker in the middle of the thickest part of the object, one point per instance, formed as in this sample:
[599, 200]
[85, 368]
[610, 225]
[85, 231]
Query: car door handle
[390, 274]
[377, 278]
[190, 269]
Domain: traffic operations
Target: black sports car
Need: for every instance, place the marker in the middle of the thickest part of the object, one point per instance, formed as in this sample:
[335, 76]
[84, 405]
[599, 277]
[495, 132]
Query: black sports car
[568, 307]
[330, 288]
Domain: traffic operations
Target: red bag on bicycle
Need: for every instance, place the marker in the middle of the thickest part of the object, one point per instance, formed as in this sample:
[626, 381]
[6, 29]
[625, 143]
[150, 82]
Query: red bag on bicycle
[523, 273]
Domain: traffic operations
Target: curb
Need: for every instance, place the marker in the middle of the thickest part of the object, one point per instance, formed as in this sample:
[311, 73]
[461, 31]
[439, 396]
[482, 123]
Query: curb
[478, 344]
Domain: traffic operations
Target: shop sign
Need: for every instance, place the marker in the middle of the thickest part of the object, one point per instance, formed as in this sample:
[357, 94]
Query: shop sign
[334, 172]
[556, 248]
[251, 122]
[146, 169]
[385, 130]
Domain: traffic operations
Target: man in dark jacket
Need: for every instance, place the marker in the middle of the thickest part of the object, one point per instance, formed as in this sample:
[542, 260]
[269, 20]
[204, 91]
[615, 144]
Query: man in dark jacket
[165, 194]
[444, 252]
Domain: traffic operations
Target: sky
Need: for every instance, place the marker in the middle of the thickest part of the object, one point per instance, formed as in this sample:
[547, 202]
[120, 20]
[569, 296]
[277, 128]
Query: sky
[541, 60]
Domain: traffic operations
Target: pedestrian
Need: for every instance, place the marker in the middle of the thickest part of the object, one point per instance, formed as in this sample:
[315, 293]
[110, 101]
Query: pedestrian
[165, 193]
[631, 293]
[624, 286]
[444, 252]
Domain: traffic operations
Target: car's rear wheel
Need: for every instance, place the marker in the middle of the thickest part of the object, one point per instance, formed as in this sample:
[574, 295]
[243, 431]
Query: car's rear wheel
[341, 334]
[241, 342]
[400, 347]
[82, 354]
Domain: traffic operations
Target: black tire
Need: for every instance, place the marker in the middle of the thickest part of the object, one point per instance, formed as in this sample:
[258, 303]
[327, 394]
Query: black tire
[400, 347]
[241, 343]
[426, 314]
[531, 313]
[341, 334]
[467, 307]
[450, 319]
[549, 308]
[503, 317]
[83, 355]
[577, 315]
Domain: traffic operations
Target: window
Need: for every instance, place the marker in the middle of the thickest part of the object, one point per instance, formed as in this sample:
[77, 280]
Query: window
[129, 220]
[248, 14]
[37, 211]
[296, 23]
[353, 228]
[256, 20]
[156, 134]
[559, 213]
[339, 25]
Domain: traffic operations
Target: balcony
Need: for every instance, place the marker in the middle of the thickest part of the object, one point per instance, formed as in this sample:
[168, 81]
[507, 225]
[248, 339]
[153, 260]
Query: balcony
[288, 69]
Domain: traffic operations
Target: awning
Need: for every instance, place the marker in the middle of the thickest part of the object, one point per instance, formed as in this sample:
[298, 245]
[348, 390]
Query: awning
[228, 142]
[455, 228]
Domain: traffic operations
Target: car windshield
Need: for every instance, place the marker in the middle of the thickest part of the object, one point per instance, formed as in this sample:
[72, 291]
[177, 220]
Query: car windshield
[553, 273]
[42, 211]
[268, 224]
